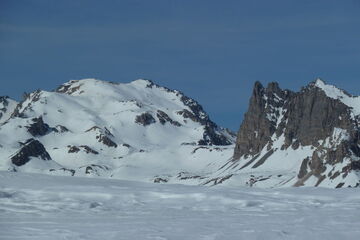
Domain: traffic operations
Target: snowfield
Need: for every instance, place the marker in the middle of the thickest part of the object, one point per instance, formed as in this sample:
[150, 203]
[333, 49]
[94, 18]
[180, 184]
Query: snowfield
[35, 206]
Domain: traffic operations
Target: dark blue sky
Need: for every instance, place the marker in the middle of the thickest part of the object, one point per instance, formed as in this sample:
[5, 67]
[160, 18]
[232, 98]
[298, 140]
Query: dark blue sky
[213, 51]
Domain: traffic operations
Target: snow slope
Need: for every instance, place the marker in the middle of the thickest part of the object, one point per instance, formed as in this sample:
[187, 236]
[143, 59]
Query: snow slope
[35, 206]
[336, 93]
[134, 131]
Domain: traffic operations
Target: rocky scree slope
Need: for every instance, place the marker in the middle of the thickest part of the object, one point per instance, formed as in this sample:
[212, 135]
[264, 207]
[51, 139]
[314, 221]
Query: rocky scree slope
[305, 138]
[138, 131]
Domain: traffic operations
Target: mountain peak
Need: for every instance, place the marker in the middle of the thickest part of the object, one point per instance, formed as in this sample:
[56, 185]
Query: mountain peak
[330, 90]
[90, 126]
[96, 86]
[142, 82]
[319, 82]
[316, 127]
[341, 95]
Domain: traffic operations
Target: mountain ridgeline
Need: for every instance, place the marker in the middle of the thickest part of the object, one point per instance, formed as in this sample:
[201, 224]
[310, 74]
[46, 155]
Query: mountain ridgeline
[138, 131]
[317, 127]
[144, 132]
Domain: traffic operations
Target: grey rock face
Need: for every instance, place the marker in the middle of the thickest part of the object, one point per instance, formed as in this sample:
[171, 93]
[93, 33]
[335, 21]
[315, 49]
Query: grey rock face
[4, 100]
[85, 148]
[106, 140]
[88, 149]
[260, 121]
[312, 116]
[304, 118]
[211, 134]
[212, 137]
[145, 119]
[38, 127]
[164, 118]
[31, 148]
[73, 149]
[68, 88]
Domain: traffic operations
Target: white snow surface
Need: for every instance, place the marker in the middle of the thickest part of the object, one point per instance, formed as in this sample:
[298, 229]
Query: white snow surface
[35, 206]
[336, 93]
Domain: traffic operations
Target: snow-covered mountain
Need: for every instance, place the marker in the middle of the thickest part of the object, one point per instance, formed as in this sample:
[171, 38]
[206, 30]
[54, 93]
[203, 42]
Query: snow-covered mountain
[88, 127]
[301, 138]
[141, 131]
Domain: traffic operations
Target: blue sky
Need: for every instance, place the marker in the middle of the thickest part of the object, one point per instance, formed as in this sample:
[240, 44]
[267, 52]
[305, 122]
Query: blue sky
[213, 51]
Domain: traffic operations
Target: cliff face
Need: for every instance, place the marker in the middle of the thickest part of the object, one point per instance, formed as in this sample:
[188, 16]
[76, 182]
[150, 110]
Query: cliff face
[320, 119]
[261, 120]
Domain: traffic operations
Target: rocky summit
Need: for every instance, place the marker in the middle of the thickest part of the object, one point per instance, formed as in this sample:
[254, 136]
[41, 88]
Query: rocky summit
[144, 132]
[287, 138]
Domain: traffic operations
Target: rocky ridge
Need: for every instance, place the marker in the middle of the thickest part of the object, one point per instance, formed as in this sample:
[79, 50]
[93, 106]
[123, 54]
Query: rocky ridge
[7, 106]
[313, 134]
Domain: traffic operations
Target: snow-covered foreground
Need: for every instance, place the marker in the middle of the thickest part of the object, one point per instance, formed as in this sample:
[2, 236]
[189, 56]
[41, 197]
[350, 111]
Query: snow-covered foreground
[34, 206]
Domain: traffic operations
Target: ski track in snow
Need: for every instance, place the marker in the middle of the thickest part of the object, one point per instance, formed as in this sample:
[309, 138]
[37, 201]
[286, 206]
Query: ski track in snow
[35, 206]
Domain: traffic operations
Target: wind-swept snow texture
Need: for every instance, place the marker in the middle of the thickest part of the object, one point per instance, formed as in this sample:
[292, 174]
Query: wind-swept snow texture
[35, 206]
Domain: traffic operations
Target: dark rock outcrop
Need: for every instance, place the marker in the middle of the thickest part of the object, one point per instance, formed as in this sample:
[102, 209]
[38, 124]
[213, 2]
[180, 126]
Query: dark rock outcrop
[31, 148]
[38, 127]
[4, 101]
[3, 105]
[160, 180]
[95, 169]
[164, 118]
[68, 88]
[211, 134]
[196, 109]
[26, 104]
[212, 137]
[73, 149]
[94, 128]
[88, 149]
[145, 119]
[106, 140]
[104, 136]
